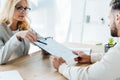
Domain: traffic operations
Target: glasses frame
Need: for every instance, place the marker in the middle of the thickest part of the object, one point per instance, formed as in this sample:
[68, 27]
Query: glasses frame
[21, 8]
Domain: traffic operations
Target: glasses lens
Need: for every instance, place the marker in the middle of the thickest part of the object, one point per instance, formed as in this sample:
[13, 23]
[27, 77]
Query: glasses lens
[21, 8]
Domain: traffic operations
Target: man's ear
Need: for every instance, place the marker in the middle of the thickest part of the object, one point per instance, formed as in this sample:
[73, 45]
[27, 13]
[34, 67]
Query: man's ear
[118, 18]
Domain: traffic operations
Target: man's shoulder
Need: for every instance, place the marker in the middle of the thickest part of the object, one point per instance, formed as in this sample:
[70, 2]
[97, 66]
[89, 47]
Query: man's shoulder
[117, 46]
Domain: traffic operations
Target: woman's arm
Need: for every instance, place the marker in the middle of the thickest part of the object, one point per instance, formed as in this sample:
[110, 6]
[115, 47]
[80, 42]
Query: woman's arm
[6, 49]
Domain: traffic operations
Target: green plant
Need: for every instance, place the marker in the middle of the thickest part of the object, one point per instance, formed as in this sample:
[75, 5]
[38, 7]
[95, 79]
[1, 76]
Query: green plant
[111, 41]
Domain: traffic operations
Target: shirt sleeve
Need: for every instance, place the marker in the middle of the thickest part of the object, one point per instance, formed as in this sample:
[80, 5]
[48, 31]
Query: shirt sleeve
[96, 57]
[6, 49]
[108, 68]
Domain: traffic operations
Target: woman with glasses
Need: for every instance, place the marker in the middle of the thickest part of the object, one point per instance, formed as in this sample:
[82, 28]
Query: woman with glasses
[15, 32]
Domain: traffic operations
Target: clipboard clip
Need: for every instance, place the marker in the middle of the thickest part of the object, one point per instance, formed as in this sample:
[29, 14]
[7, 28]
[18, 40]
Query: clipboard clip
[42, 42]
[43, 39]
[47, 38]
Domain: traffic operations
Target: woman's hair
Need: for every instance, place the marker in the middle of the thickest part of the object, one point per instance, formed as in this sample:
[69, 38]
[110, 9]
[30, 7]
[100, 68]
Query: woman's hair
[115, 4]
[8, 12]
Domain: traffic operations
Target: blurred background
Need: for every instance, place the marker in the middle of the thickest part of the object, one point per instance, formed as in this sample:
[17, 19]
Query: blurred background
[77, 21]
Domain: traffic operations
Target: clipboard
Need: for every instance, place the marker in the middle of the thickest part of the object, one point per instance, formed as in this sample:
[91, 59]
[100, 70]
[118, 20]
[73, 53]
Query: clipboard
[54, 48]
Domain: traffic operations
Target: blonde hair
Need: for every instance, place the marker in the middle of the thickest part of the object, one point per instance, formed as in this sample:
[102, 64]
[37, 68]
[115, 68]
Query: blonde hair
[8, 12]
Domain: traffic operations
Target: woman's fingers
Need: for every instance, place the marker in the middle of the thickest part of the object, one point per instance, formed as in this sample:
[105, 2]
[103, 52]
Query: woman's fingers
[32, 35]
[28, 35]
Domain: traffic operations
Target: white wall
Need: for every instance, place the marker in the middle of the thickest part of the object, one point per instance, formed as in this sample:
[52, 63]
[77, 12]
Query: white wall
[58, 17]
[77, 8]
[43, 16]
[51, 18]
[95, 31]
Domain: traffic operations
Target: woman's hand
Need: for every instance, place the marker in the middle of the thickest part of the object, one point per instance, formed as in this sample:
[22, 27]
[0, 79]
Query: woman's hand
[28, 35]
[57, 61]
[82, 57]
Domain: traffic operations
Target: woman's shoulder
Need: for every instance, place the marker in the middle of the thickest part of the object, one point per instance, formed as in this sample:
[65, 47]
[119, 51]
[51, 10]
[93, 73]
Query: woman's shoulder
[3, 26]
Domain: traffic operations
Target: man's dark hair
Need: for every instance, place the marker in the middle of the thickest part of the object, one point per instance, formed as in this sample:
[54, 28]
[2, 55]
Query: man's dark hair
[115, 4]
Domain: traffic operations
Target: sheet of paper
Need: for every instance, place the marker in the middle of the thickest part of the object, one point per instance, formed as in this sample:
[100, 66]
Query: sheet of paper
[10, 75]
[85, 50]
[57, 49]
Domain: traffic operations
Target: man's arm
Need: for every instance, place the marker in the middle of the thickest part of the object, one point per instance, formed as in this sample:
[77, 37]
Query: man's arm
[85, 58]
[105, 69]
[96, 57]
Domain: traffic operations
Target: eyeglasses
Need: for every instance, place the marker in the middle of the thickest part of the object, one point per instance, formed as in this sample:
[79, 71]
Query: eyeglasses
[21, 8]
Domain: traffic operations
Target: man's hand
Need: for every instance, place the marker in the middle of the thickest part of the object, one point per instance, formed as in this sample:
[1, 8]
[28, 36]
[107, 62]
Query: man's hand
[82, 57]
[57, 61]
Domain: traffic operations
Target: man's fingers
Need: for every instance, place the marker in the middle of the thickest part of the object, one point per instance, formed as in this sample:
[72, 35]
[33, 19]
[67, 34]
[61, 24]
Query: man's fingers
[58, 59]
[53, 58]
[79, 53]
[61, 60]
[54, 61]
[78, 59]
[75, 52]
[54, 64]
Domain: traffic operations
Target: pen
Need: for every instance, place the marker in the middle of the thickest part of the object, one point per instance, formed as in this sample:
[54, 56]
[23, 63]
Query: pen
[41, 42]
[114, 44]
